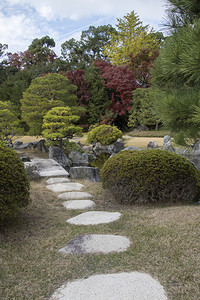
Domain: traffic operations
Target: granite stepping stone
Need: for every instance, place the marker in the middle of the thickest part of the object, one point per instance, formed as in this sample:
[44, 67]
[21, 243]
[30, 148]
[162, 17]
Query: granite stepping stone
[57, 180]
[74, 196]
[94, 218]
[65, 186]
[121, 286]
[49, 167]
[79, 204]
[96, 243]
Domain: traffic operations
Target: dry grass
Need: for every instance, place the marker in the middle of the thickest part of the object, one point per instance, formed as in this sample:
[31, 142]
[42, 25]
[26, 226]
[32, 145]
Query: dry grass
[141, 142]
[165, 244]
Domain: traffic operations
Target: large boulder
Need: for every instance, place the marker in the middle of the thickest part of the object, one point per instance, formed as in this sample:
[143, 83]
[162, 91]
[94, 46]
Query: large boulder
[152, 145]
[118, 146]
[85, 173]
[167, 145]
[40, 146]
[79, 159]
[58, 155]
[32, 171]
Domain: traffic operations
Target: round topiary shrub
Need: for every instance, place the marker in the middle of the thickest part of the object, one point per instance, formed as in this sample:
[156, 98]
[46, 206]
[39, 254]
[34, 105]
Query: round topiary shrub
[14, 182]
[150, 176]
[104, 134]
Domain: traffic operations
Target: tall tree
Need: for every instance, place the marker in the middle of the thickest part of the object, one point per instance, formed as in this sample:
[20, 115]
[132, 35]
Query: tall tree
[119, 82]
[41, 50]
[131, 37]
[44, 93]
[182, 12]
[79, 54]
[99, 100]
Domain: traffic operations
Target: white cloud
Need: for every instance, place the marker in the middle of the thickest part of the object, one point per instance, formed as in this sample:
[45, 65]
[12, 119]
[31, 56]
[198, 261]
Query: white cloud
[23, 20]
[16, 31]
[77, 9]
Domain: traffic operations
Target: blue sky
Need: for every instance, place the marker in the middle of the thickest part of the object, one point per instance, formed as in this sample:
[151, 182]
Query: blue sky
[23, 20]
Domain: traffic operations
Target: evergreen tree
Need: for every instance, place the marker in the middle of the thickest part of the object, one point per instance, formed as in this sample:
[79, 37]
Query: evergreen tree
[44, 93]
[59, 123]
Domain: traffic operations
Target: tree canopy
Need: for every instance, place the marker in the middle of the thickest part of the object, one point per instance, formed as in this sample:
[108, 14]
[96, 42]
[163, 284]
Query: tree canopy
[44, 93]
[131, 37]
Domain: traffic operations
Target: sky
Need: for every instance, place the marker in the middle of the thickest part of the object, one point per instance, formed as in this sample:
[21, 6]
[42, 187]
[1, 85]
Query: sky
[21, 21]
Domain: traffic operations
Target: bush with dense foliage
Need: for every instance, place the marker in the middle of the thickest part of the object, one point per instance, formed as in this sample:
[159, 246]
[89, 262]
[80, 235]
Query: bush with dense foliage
[104, 134]
[14, 183]
[150, 176]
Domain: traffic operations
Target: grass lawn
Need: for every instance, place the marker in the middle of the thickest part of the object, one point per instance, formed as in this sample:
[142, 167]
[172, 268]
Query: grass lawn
[164, 244]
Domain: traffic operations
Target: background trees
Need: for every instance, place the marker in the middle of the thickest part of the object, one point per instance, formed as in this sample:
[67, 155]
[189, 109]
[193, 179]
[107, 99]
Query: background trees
[79, 54]
[130, 38]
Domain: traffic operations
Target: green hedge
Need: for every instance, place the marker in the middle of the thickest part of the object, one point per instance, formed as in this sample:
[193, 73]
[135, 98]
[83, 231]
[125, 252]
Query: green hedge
[150, 176]
[14, 182]
[104, 134]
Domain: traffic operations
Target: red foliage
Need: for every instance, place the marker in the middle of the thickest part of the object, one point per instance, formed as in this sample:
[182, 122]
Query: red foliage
[82, 93]
[140, 65]
[120, 82]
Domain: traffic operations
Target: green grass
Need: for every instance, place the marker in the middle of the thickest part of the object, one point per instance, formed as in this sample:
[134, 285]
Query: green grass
[164, 243]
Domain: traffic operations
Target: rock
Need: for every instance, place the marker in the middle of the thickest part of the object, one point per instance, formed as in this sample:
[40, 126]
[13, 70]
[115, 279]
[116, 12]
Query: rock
[22, 146]
[88, 149]
[167, 145]
[118, 146]
[97, 148]
[196, 148]
[119, 286]
[57, 180]
[64, 187]
[94, 218]
[196, 162]
[79, 204]
[81, 172]
[49, 167]
[32, 171]
[74, 196]
[96, 243]
[25, 158]
[152, 145]
[18, 143]
[40, 146]
[78, 159]
[58, 155]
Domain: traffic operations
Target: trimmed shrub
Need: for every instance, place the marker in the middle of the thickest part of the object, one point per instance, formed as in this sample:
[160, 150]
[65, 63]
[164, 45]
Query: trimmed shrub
[104, 134]
[14, 182]
[150, 176]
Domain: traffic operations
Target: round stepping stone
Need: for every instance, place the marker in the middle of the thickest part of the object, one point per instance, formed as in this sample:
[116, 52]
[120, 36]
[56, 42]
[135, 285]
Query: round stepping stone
[96, 243]
[79, 204]
[65, 186]
[57, 180]
[74, 196]
[121, 286]
[94, 218]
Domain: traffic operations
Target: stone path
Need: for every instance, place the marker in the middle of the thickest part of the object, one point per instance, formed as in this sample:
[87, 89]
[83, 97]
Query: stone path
[121, 286]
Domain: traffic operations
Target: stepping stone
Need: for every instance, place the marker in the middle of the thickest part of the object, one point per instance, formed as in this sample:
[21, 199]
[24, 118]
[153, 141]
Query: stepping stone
[79, 204]
[121, 286]
[65, 186]
[74, 195]
[96, 243]
[94, 218]
[49, 167]
[57, 180]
